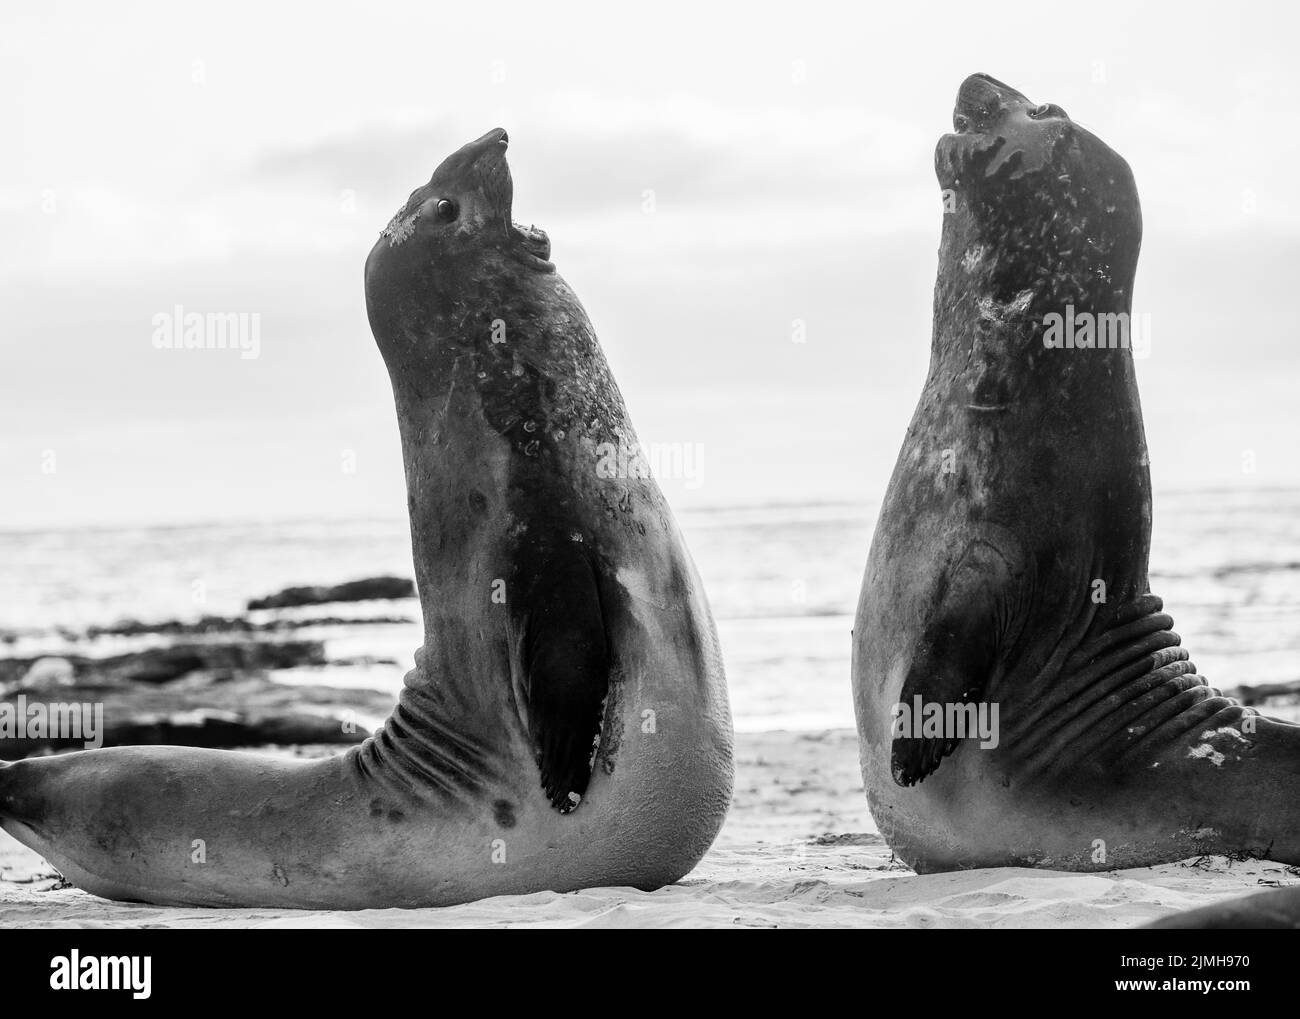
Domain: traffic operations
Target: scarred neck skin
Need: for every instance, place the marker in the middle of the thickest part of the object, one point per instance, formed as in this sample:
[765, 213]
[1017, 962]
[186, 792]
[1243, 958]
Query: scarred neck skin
[1001, 281]
[489, 330]
[482, 418]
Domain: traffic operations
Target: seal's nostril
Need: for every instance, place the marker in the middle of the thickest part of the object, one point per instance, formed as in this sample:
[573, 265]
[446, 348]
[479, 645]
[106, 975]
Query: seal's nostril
[504, 139]
[1046, 110]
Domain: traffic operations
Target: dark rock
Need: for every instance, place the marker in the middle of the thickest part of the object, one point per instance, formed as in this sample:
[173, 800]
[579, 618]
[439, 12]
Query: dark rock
[225, 624]
[247, 712]
[162, 665]
[137, 628]
[1288, 692]
[354, 590]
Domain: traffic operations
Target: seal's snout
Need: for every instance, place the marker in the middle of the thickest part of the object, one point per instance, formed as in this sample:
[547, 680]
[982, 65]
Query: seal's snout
[981, 102]
[494, 140]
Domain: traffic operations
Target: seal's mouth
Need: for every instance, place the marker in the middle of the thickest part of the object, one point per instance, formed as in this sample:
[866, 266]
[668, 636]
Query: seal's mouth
[533, 246]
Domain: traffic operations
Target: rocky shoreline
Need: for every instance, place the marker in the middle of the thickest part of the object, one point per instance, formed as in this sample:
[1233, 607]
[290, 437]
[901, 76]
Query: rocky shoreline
[211, 682]
[276, 676]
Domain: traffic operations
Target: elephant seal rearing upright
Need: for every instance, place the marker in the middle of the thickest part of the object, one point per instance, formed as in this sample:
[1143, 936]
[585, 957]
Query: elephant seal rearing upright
[567, 722]
[1007, 580]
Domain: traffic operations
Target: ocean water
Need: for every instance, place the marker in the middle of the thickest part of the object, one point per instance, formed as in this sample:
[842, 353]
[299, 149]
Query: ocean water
[783, 582]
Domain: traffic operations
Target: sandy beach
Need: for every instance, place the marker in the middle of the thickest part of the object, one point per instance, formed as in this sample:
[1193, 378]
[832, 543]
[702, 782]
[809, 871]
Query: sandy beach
[799, 850]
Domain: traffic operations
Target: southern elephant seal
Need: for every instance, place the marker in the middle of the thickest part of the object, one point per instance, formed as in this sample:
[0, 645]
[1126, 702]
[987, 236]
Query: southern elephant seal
[566, 724]
[1021, 697]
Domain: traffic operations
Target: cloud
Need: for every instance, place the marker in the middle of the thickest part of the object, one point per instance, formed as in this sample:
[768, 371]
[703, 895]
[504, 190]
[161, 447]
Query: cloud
[580, 154]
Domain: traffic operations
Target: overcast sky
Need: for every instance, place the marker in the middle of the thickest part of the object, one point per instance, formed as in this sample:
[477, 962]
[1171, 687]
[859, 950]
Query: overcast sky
[243, 159]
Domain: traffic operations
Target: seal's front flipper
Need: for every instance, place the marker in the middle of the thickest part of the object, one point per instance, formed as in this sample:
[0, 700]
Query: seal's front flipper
[952, 661]
[563, 672]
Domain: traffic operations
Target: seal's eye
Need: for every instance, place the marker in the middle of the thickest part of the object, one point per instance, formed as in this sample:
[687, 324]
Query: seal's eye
[446, 210]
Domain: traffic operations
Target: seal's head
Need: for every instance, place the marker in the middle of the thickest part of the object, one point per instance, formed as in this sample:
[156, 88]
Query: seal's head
[1037, 188]
[1041, 223]
[451, 240]
[465, 208]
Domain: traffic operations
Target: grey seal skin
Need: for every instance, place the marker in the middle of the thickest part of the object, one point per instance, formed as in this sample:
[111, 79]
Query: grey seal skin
[566, 724]
[1274, 910]
[1009, 563]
